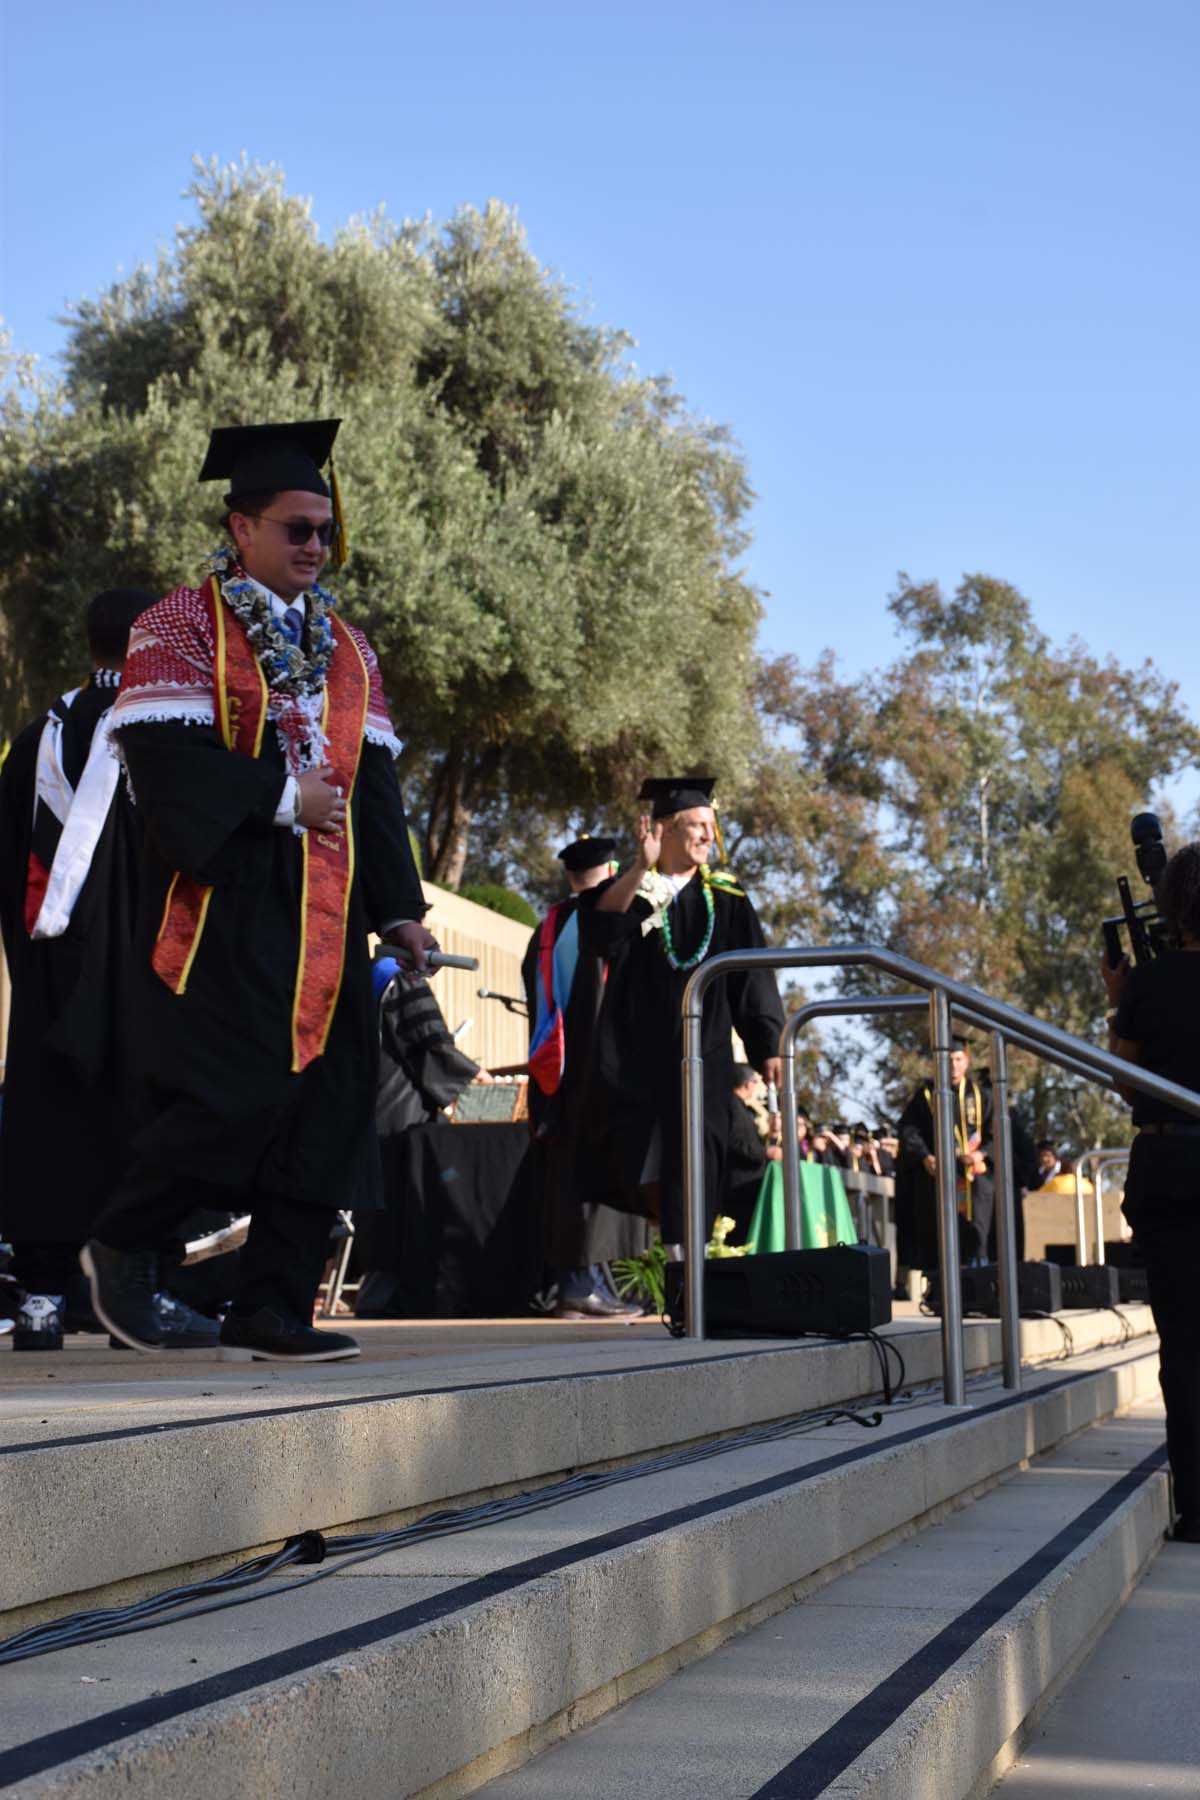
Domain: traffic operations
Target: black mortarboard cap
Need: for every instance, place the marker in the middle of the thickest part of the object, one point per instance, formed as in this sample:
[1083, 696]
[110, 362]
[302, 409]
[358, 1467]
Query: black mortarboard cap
[959, 1042]
[676, 793]
[587, 853]
[270, 459]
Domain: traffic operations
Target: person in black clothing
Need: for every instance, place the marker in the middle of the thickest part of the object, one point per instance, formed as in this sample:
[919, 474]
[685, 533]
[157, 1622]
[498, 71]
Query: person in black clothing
[561, 976]
[421, 1072]
[746, 1156]
[254, 728]
[887, 1149]
[1155, 1022]
[654, 924]
[832, 1146]
[916, 1186]
[69, 845]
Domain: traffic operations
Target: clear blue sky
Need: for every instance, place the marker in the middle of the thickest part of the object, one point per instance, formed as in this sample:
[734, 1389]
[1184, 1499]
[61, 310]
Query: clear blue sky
[936, 264]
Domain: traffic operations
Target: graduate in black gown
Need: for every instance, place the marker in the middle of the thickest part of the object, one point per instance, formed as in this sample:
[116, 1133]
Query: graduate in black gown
[579, 1235]
[916, 1184]
[68, 886]
[746, 1156]
[256, 735]
[654, 925]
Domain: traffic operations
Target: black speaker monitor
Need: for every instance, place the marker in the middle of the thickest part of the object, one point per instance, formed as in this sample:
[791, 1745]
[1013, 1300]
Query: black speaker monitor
[786, 1293]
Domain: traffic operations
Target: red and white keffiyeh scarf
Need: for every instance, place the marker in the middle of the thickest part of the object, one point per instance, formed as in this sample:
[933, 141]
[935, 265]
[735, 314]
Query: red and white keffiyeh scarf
[169, 678]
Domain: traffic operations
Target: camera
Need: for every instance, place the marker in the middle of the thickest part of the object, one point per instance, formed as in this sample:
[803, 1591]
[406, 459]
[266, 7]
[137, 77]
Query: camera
[1148, 935]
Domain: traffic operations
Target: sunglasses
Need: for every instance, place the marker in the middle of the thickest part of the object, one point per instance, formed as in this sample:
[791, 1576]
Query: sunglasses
[299, 531]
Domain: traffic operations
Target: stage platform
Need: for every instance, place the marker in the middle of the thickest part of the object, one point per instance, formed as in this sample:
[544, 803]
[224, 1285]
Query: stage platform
[434, 1668]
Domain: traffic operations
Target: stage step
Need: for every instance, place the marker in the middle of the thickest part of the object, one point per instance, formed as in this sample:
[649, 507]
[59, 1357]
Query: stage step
[439, 1666]
[174, 1474]
[911, 1678]
[1127, 1723]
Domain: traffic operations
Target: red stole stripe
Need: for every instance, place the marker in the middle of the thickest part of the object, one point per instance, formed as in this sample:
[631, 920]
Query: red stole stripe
[329, 861]
[240, 694]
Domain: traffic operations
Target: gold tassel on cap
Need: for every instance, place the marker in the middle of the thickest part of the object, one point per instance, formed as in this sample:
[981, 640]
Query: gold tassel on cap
[719, 834]
[341, 549]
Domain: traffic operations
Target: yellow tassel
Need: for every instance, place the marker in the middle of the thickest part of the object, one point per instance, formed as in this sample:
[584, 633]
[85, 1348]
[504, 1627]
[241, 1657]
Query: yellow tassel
[341, 547]
[720, 836]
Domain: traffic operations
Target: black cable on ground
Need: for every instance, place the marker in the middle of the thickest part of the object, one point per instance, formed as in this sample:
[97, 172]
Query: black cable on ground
[1127, 1332]
[239, 1585]
[228, 1590]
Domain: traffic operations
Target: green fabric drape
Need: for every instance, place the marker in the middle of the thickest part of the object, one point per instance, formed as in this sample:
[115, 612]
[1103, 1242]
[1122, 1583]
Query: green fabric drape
[825, 1216]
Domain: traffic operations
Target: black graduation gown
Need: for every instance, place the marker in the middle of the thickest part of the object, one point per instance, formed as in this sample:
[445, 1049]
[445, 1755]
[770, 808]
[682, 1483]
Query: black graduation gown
[634, 1084]
[576, 1230]
[64, 1137]
[745, 1160]
[219, 1101]
[916, 1191]
[421, 1069]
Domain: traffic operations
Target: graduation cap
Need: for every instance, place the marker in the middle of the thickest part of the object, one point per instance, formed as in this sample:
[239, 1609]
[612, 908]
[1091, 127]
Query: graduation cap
[587, 853]
[676, 793]
[274, 459]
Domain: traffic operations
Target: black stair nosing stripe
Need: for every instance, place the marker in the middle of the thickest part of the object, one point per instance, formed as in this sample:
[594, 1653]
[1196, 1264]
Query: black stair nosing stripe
[125, 1432]
[829, 1756]
[89, 1736]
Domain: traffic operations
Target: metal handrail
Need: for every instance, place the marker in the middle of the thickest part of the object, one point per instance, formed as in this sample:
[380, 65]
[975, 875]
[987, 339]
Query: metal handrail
[1007, 1278]
[1004, 1020]
[1006, 1239]
[1098, 1160]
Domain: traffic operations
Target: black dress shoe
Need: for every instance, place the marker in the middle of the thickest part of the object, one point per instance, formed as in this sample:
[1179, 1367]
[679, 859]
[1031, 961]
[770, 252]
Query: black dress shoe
[599, 1304]
[183, 1328]
[123, 1284]
[267, 1336]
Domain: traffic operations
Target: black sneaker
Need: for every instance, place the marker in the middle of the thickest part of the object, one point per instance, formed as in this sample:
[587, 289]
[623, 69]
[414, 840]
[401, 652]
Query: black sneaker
[267, 1336]
[123, 1284]
[182, 1327]
[39, 1323]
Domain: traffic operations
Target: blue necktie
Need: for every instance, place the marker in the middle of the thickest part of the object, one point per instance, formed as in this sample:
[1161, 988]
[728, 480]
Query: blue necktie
[292, 624]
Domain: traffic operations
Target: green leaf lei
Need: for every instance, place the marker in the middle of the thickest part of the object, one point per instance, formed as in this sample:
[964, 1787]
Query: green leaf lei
[288, 668]
[664, 930]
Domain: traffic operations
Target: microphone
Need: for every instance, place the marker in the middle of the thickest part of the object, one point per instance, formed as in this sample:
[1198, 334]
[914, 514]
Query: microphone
[436, 959]
[442, 959]
[511, 1002]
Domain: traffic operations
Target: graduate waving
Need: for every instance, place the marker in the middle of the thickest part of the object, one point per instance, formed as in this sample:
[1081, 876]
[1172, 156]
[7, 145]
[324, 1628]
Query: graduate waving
[655, 923]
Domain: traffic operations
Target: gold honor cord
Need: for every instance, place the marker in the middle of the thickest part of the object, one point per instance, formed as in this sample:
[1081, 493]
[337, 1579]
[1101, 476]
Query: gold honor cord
[961, 1137]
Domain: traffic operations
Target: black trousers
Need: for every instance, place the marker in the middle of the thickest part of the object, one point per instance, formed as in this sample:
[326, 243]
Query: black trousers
[916, 1220]
[1171, 1251]
[46, 1268]
[285, 1253]
[1162, 1203]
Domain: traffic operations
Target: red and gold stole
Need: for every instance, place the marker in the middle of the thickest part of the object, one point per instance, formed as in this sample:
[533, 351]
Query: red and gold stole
[327, 859]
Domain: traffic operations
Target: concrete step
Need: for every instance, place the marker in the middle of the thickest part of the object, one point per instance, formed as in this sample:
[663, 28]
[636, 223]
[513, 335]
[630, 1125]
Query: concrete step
[912, 1677]
[175, 1472]
[1127, 1723]
[440, 1665]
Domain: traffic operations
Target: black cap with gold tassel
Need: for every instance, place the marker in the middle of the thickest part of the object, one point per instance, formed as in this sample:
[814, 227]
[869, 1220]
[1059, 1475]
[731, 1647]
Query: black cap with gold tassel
[275, 459]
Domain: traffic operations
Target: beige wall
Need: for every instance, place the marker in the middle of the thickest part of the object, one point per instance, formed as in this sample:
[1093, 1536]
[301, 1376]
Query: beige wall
[1050, 1217]
[496, 1038]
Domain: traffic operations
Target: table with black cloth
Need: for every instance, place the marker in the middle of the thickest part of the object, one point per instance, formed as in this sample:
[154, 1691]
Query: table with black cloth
[461, 1233]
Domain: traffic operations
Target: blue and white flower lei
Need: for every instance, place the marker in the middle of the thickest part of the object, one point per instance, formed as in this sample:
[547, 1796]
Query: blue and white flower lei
[287, 667]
